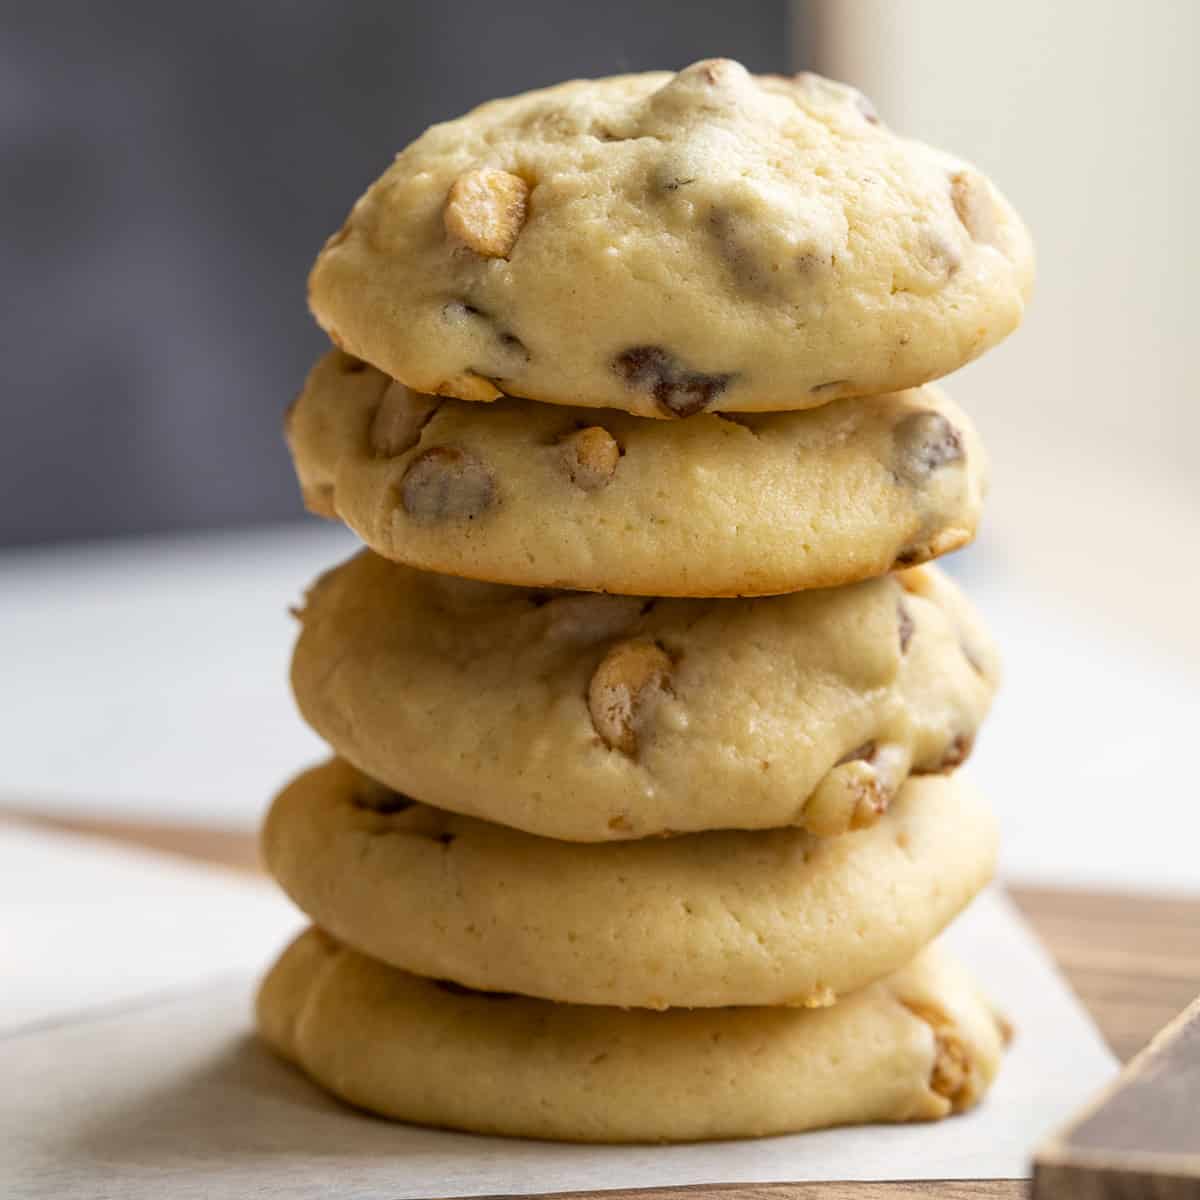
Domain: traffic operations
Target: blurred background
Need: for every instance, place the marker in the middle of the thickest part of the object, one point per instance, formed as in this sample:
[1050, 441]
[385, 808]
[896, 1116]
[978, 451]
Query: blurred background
[168, 175]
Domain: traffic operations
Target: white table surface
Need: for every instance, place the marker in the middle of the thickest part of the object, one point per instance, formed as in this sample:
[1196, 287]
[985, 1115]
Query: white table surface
[147, 679]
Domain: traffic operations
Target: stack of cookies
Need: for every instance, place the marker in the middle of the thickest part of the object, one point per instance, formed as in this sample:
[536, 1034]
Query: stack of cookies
[644, 812]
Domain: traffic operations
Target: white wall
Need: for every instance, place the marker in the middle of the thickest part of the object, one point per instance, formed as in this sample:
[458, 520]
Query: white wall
[1085, 112]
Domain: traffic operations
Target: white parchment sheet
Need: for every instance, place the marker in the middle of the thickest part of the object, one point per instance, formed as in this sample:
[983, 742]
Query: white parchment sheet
[86, 923]
[157, 1095]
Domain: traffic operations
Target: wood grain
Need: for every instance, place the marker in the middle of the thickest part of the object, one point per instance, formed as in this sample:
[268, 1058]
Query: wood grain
[221, 847]
[1133, 960]
[1142, 1136]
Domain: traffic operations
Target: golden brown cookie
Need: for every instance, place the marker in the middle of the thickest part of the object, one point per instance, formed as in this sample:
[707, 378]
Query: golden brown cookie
[545, 496]
[669, 244]
[916, 1046]
[593, 718]
[704, 920]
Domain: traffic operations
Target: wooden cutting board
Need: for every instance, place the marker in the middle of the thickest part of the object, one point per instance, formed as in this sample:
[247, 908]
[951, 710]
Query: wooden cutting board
[1133, 960]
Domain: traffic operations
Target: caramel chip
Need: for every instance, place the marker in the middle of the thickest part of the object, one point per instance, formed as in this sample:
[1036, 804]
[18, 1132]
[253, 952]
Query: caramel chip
[446, 483]
[925, 442]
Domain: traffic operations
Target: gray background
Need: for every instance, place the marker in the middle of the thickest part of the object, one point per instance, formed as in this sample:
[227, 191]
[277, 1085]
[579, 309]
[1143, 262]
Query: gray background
[167, 174]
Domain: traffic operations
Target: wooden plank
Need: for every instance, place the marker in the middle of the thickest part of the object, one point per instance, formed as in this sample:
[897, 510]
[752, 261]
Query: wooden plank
[222, 847]
[984, 1189]
[1141, 1137]
[1133, 960]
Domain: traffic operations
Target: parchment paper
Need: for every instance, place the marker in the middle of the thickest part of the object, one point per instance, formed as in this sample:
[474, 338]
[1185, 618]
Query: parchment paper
[175, 1098]
[86, 924]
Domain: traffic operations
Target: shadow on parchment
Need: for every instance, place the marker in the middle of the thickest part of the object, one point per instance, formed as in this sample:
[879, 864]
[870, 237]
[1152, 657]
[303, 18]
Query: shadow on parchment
[244, 1108]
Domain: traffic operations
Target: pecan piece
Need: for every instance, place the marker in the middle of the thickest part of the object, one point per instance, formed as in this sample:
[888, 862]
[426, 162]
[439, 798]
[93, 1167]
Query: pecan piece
[624, 688]
[486, 209]
[818, 87]
[857, 790]
[951, 1066]
[951, 1074]
[976, 207]
[589, 457]
[399, 419]
[469, 385]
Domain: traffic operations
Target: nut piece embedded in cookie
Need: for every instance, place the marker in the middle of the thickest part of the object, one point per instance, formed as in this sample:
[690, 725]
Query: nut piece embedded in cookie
[954, 1075]
[486, 209]
[976, 208]
[467, 385]
[590, 457]
[446, 483]
[399, 419]
[630, 678]
[951, 1067]
[857, 791]
[925, 441]
[836, 94]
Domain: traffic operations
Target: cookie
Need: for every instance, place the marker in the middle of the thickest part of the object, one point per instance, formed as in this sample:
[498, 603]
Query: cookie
[917, 1046]
[543, 496]
[667, 244]
[710, 919]
[591, 717]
